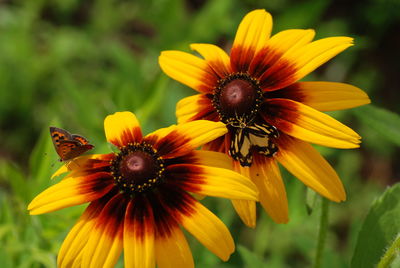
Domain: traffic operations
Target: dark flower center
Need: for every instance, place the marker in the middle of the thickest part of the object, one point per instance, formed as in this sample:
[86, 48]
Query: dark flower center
[237, 96]
[137, 168]
[237, 99]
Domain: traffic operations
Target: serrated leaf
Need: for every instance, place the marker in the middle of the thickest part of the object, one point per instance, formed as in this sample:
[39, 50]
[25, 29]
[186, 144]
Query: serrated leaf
[385, 122]
[378, 230]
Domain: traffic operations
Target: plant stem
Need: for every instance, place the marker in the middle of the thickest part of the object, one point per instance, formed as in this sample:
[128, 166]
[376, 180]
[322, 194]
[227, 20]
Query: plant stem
[390, 254]
[323, 229]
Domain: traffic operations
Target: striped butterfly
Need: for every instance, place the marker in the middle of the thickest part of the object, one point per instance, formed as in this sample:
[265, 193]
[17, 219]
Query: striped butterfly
[254, 137]
[67, 145]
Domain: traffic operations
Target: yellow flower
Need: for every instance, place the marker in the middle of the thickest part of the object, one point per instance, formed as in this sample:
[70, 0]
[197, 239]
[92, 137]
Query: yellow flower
[140, 196]
[270, 115]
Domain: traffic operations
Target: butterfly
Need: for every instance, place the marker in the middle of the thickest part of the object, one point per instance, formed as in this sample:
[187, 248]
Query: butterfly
[249, 138]
[67, 145]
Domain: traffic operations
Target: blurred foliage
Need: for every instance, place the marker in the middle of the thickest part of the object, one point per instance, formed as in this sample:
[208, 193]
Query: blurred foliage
[70, 63]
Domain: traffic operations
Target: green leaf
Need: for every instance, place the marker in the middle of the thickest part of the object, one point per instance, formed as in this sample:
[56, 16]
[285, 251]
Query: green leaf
[379, 229]
[249, 258]
[311, 198]
[41, 162]
[385, 122]
[14, 177]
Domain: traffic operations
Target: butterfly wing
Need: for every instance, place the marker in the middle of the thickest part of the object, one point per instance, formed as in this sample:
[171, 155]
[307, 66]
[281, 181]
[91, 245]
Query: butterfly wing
[72, 148]
[256, 137]
[240, 147]
[80, 138]
[57, 136]
[260, 137]
[68, 146]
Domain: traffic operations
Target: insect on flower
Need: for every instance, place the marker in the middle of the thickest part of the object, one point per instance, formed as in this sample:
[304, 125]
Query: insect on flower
[67, 145]
[271, 116]
[141, 196]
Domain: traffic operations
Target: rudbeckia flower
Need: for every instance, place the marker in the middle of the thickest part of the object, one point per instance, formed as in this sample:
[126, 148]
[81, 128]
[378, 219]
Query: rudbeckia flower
[271, 116]
[141, 196]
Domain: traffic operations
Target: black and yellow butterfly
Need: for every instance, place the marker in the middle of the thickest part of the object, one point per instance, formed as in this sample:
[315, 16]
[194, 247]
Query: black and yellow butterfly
[255, 137]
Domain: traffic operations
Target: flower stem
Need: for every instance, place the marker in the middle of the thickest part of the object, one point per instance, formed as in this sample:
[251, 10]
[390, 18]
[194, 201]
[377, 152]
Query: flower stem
[390, 254]
[323, 229]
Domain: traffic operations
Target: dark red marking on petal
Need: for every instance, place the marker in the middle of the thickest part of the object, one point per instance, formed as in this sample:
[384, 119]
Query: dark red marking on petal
[209, 80]
[171, 144]
[127, 136]
[186, 176]
[139, 218]
[95, 184]
[263, 61]
[111, 218]
[169, 204]
[292, 92]
[241, 58]
[206, 110]
[95, 165]
[189, 158]
[175, 203]
[279, 75]
[219, 69]
[280, 113]
[219, 144]
[285, 142]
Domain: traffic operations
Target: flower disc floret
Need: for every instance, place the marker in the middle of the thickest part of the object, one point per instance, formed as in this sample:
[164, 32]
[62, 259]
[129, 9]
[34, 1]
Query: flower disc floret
[137, 168]
[237, 99]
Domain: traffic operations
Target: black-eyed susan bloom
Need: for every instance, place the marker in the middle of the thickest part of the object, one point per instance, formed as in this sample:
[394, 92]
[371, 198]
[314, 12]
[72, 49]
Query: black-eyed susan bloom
[140, 197]
[271, 116]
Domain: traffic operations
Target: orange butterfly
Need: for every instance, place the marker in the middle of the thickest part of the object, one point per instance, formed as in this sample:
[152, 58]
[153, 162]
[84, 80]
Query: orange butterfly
[67, 145]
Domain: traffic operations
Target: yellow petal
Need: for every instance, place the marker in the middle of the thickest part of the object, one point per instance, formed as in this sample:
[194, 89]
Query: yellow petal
[80, 163]
[265, 174]
[297, 61]
[193, 108]
[63, 169]
[189, 136]
[304, 162]
[78, 237]
[188, 69]
[105, 242]
[330, 96]
[77, 263]
[244, 208]
[139, 236]
[254, 30]
[212, 159]
[213, 181]
[173, 250]
[277, 47]
[187, 107]
[313, 55]
[122, 128]
[289, 40]
[71, 192]
[215, 57]
[209, 230]
[308, 124]
[247, 211]
[159, 134]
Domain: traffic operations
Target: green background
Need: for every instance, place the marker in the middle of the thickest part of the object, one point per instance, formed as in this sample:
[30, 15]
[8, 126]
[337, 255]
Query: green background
[70, 63]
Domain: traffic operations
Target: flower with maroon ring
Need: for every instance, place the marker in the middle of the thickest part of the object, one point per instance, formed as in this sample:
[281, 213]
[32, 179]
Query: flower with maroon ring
[271, 116]
[140, 196]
